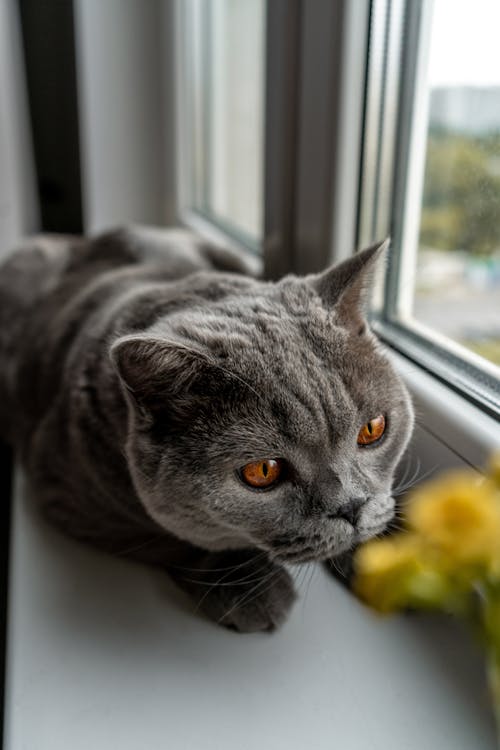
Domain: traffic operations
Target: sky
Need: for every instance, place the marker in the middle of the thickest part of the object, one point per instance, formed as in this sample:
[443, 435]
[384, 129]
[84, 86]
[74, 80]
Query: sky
[465, 43]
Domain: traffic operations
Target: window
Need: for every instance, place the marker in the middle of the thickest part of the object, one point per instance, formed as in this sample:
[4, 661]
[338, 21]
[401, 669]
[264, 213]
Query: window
[221, 114]
[457, 285]
[431, 179]
[268, 127]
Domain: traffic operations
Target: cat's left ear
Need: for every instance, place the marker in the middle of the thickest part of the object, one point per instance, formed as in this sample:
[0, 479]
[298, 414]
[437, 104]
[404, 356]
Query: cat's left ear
[166, 378]
[345, 288]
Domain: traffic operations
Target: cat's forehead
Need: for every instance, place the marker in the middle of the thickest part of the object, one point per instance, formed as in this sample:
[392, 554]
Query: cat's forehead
[282, 340]
[283, 313]
[261, 333]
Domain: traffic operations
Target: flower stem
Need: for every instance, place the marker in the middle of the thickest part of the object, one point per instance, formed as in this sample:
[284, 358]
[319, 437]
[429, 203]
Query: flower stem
[494, 683]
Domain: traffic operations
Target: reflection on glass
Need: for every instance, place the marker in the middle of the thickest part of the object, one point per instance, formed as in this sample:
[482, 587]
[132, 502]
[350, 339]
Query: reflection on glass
[458, 265]
[235, 89]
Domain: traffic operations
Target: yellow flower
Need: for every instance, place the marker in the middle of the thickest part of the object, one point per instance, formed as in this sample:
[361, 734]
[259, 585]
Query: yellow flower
[452, 546]
[392, 573]
[458, 515]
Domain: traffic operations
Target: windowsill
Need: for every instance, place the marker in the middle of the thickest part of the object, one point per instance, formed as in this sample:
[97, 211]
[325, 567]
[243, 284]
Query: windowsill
[105, 653]
[450, 431]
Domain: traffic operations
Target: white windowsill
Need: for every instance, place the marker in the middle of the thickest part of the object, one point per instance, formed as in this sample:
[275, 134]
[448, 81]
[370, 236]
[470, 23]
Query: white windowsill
[104, 653]
[450, 431]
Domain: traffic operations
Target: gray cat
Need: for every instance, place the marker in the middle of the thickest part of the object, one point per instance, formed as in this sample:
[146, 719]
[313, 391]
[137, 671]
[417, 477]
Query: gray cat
[169, 407]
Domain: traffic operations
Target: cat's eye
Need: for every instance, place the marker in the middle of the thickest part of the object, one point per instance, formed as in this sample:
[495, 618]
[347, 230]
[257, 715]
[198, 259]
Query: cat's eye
[263, 474]
[372, 431]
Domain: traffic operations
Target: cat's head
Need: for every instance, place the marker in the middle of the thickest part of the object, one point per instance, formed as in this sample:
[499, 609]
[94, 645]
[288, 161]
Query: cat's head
[266, 414]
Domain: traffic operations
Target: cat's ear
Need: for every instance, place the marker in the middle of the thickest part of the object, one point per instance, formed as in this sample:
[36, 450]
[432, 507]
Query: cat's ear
[163, 377]
[345, 288]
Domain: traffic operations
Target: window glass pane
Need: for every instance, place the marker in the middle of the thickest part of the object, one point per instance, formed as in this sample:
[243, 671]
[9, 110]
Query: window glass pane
[236, 113]
[457, 290]
[223, 111]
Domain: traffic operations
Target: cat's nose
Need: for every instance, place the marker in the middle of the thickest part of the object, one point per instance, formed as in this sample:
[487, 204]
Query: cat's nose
[350, 511]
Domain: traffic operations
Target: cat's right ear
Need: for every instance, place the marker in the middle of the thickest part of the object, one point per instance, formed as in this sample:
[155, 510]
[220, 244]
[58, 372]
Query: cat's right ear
[345, 288]
[164, 377]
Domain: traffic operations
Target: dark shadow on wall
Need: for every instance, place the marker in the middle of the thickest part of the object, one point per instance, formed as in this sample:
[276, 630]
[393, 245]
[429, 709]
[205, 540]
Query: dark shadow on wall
[5, 514]
[48, 40]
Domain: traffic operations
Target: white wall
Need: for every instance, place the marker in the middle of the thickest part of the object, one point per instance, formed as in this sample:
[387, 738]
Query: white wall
[123, 75]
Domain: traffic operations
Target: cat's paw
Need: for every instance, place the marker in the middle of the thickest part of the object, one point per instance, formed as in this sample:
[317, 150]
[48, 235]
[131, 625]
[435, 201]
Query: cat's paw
[261, 604]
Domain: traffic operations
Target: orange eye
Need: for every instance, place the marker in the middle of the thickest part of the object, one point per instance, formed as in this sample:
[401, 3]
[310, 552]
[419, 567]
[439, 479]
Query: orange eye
[262, 474]
[372, 431]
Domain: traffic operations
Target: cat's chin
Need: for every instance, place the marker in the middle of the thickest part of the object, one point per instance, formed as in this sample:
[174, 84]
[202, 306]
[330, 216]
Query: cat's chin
[316, 552]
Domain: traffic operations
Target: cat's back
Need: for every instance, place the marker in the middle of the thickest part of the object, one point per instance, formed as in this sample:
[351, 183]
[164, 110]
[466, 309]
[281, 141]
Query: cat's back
[52, 286]
[27, 277]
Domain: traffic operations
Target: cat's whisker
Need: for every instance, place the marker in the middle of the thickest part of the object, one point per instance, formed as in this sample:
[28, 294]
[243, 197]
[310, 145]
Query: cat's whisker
[400, 515]
[333, 564]
[253, 593]
[408, 482]
[407, 470]
[253, 559]
[240, 582]
[299, 585]
[244, 580]
[404, 479]
[397, 519]
[412, 473]
[217, 583]
[297, 574]
[301, 575]
[312, 572]
[137, 547]
[417, 479]
[396, 529]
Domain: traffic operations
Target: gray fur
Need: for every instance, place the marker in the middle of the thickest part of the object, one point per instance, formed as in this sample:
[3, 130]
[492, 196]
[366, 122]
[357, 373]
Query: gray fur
[141, 368]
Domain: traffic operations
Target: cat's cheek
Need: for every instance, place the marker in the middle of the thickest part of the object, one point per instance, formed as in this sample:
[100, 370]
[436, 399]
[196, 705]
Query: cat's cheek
[375, 518]
[253, 510]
